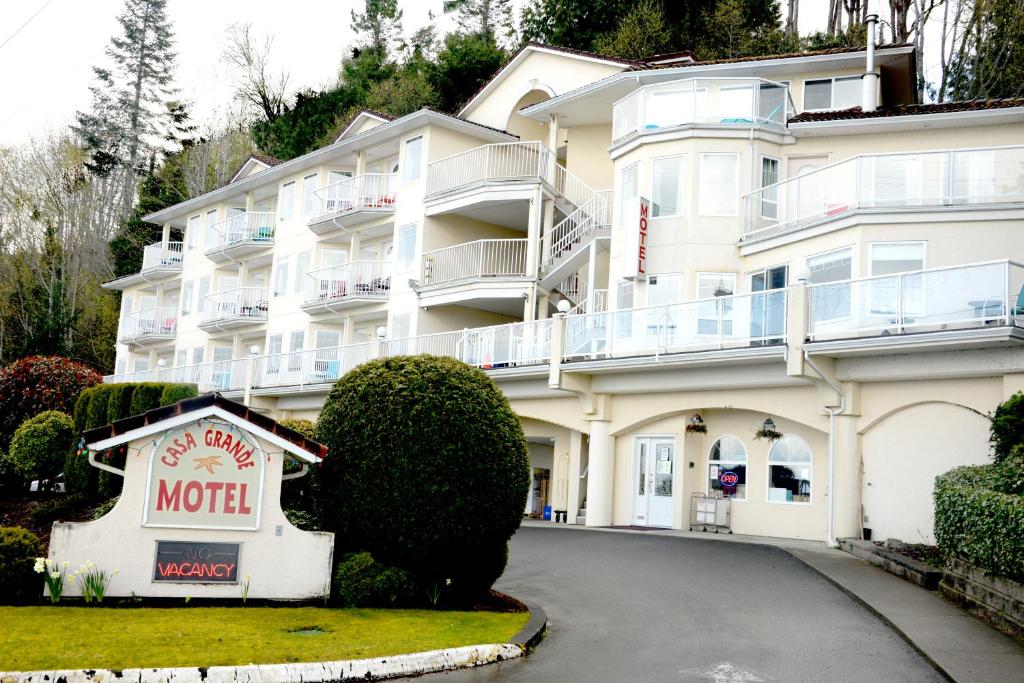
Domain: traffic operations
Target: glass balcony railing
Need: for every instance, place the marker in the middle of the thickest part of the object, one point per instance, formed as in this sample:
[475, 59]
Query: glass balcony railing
[910, 180]
[705, 101]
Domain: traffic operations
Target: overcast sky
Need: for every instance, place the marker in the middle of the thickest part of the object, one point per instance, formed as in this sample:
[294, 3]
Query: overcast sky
[45, 69]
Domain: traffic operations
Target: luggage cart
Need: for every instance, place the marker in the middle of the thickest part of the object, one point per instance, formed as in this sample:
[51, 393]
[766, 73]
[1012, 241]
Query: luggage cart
[710, 514]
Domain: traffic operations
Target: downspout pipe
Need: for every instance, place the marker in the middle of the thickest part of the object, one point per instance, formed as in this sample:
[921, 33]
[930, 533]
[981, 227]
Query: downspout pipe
[830, 536]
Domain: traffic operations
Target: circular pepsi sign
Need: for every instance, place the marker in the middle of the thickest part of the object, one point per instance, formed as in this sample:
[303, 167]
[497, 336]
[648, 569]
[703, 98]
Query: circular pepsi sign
[729, 478]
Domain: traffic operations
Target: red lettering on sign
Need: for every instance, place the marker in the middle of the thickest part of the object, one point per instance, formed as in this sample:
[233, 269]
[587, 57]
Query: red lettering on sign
[177, 449]
[213, 487]
[641, 264]
[168, 500]
[229, 499]
[243, 509]
[196, 494]
[200, 570]
[193, 487]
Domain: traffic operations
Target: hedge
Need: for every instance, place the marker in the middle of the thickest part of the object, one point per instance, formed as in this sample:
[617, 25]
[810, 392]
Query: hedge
[38, 383]
[101, 405]
[427, 470]
[19, 549]
[361, 581]
[39, 445]
[1007, 429]
[977, 523]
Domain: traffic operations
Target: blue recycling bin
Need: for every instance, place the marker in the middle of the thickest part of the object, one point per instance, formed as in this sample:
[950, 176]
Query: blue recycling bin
[547, 512]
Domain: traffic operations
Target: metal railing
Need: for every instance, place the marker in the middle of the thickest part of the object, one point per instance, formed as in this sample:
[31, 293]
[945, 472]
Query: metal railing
[595, 302]
[349, 280]
[481, 259]
[588, 217]
[237, 304]
[251, 226]
[161, 255]
[228, 375]
[367, 191]
[963, 177]
[501, 161]
[499, 346]
[716, 323]
[161, 321]
[313, 366]
[973, 295]
[709, 101]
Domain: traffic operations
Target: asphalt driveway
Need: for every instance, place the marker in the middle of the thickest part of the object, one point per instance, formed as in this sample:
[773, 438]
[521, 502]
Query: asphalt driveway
[633, 607]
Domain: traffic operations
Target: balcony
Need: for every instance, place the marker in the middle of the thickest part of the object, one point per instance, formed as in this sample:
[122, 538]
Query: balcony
[886, 184]
[355, 201]
[234, 309]
[705, 102]
[565, 251]
[242, 236]
[160, 262]
[226, 375]
[487, 274]
[312, 367]
[503, 162]
[337, 288]
[726, 322]
[489, 348]
[960, 303]
[149, 327]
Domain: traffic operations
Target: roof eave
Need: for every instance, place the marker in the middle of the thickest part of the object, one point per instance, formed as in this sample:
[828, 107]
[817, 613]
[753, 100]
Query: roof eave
[867, 125]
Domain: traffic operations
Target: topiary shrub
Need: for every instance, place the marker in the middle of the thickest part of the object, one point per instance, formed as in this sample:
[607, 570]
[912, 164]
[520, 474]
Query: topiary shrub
[427, 470]
[305, 427]
[146, 397]
[173, 393]
[39, 445]
[37, 383]
[1007, 429]
[119, 400]
[18, 550]
[978, 523]
[361, 581]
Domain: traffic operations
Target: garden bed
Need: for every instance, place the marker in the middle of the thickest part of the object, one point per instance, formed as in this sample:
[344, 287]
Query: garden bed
[916, 563]
[48, 638]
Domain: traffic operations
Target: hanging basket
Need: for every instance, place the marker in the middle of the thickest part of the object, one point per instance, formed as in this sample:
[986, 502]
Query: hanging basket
[696, 429]
[770, 434]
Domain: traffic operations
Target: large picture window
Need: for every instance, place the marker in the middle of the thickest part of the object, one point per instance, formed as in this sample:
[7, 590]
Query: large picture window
[789, 471]
[727, 468]
[667, 189]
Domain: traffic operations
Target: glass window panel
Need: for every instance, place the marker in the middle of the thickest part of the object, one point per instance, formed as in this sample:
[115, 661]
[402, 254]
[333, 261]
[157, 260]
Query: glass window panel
[789, 471]
[710, 313]
[192, 232]
[281, 277]
[413, 159]
[736, 104]
[818, 94]
[629, 189]
[769, 195]
[295, 351]
[846, 93]
[833, 302]
[302, 265]
[308, 199]
[274, 354]
[896, 257]
[203, 291]
[286, 200]
[642, 474]
[664, 460]
[186, 298]
[406, 247]
[771, 103]
[667, 186]
[668, 108]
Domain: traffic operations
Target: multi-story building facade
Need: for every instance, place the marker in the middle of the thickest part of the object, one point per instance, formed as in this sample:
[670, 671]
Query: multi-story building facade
[652, 259]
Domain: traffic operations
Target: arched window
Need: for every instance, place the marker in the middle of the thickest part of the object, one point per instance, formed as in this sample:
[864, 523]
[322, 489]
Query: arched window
[789, 471]
[727, 468]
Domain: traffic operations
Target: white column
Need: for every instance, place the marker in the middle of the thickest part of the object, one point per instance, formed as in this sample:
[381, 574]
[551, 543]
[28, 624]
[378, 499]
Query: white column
[847, 478]
[532, 248]
[360, 163]
[601, 476]
[575, 464]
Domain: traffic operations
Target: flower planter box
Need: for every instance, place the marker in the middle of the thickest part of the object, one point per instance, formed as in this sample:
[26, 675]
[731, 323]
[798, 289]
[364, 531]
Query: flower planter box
[997, 600]
[894, 562]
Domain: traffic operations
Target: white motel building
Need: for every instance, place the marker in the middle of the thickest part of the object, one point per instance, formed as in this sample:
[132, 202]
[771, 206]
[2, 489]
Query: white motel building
[654, 260]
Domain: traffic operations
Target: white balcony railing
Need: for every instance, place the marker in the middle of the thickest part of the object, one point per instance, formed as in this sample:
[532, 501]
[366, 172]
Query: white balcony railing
[910, 180]
[503, 161]
[707, 101]
[161, 255]
[500, 346]
[593, 214]
[242, 303]
[370, 191]
[161, 321]
[359, 279]
[974, 295]
[314, 366]
[717, 323]
[251, 226]
[228, 375]
[474, 261]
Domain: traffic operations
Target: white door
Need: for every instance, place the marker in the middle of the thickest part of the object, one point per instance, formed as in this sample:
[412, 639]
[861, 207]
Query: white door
[654, 460]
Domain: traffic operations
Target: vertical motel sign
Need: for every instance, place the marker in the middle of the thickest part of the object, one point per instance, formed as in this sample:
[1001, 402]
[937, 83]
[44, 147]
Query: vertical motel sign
[638, 214]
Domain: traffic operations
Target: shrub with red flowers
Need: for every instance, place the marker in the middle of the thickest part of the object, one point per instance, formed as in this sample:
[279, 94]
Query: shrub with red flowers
[32, 385]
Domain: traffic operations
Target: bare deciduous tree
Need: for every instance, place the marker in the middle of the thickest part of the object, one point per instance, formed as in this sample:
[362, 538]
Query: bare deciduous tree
[258, 85]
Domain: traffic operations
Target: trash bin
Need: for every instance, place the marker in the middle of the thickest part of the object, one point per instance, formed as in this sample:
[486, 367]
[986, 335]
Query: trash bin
[547, 512]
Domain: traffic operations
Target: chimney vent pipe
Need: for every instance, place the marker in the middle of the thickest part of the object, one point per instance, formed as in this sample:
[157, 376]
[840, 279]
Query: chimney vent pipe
[869, 81]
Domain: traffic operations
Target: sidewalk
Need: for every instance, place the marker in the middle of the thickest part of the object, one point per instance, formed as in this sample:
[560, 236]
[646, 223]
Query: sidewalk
[956, 643]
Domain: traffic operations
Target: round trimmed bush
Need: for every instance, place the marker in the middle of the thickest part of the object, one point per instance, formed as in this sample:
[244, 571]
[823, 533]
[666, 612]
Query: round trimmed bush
[173, 393]
[305, 427]
[39, 446]
[19, 549]
[427, 470]
[1007, 428]
[361, 581]
[32, 385]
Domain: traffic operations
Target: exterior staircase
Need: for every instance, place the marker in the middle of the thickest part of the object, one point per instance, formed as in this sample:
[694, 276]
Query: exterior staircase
[567, 248]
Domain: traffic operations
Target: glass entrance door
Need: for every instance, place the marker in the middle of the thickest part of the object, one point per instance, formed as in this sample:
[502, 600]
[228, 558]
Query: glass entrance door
[654, 481]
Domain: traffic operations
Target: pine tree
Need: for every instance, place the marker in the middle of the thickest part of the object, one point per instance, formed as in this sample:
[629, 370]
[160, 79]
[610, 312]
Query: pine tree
[490, 19]
[128, 116]
[379, 26]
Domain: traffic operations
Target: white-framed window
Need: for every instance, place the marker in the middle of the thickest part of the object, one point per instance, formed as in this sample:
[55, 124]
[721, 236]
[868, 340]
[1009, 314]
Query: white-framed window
[413, 159]
[727, 468]
[281, 276]
[192, 231]
[211, 236]
[186, 298]
[308, 198]
[667, 186]
[140, 365]
[629, 189]
[211, 219]
[888, 258]
[715, 317]
[202, 291]
[286, 200]
[120, 366]
[832, 93]
[769, 189]
[303, 263]
[180, 358]
[198, 355]
[406, 257]
[789, 471]
[274, 342]
[831, 302]
[772, 103]
[719, 184]
[295, 344]
[326, 339]
[663, 289]
[400, 326]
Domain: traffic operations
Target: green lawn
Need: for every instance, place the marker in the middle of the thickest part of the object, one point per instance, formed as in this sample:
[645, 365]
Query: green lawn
[35, 638]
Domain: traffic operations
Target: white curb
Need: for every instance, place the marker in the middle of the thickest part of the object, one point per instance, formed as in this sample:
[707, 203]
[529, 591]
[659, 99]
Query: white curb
[314, 672]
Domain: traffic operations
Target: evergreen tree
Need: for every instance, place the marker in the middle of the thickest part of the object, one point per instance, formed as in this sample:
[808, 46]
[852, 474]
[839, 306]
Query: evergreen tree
[465, 63]
[379, 25]
[642, 33]
[486, 18]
